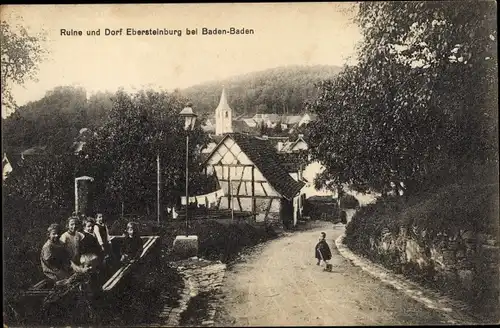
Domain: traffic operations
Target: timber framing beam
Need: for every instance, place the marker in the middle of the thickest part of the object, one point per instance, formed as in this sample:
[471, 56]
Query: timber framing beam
[232, 165]
[256, 196]
[244, 180]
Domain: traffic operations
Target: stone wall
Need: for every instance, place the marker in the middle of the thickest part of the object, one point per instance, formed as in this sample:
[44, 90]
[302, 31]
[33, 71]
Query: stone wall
[463, 264]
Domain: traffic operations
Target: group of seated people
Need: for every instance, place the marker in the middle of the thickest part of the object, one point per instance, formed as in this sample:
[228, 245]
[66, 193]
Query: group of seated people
[89, 250]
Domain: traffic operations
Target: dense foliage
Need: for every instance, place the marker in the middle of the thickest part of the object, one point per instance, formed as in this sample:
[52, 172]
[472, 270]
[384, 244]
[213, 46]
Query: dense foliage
[55, 120]
[21, 53]
[126, 134]
[437, 220]
[420, 107]
[120, 154]
[283, 90]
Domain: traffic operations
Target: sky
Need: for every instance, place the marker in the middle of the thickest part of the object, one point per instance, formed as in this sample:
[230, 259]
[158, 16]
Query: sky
[284, 34]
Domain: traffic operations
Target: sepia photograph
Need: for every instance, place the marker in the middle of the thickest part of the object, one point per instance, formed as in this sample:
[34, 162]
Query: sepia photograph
[250, 164]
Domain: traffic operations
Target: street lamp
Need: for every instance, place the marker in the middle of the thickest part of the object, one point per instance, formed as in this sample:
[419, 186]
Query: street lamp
[189, 121]
[187, 246]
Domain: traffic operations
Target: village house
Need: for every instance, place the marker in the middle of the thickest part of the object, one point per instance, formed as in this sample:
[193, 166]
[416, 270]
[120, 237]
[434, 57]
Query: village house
[306, 119]
[253, 179]
[288, 121]
[250, 122]
[290, 146]
[269, 120]
[224, 120]
[287, 156]
[13, 160]
[275, 141]
[209, 125]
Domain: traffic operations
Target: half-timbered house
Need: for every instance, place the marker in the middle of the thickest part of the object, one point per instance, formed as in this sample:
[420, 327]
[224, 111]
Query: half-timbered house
[249, 171]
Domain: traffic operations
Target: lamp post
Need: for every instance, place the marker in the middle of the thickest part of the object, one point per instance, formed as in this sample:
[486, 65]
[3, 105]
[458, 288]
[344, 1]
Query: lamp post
[189, 121]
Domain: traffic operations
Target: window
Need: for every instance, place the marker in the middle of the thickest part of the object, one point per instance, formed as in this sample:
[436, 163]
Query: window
[227, 114]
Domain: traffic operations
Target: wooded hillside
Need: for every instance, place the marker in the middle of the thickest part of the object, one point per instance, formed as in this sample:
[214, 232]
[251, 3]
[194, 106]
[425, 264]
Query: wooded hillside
[56, 119]
[277, 90]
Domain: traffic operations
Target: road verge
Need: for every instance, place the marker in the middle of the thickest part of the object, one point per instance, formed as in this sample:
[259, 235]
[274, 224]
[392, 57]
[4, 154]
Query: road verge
[453, 310]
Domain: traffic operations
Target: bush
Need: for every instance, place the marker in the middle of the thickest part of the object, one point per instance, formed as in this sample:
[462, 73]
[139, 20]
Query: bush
[321, 208]
[448, 211]
[348, 201]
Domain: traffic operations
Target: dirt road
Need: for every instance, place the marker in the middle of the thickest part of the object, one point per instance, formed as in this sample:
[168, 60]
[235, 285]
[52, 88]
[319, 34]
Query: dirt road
[279, 283]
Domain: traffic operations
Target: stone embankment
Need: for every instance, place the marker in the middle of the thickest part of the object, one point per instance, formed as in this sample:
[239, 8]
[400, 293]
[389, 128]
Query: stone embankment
[454, 310]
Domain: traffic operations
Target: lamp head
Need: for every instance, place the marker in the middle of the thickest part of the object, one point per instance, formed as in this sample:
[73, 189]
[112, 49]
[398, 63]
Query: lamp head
[189, 117]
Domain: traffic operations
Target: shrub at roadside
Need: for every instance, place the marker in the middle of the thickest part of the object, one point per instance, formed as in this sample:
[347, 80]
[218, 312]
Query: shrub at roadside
[217, 239]
[348, 201]
[446, 240]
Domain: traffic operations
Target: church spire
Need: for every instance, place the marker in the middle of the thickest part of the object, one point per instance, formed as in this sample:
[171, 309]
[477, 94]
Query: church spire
[223, 115]
[223, 105]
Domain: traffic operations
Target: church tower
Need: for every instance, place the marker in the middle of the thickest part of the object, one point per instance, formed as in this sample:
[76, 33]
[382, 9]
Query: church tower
[223, 116]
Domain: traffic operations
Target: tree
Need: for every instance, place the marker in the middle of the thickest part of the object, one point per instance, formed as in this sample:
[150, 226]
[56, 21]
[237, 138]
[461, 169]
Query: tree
[421, 103]
[122, 155]
[38, 192]
[276, 90]
[53, 121]
[263, 129]
[277, 130]
[21, 55]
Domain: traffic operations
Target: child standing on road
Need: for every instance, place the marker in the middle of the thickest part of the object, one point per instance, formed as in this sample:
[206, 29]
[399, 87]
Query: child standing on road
[322, 250]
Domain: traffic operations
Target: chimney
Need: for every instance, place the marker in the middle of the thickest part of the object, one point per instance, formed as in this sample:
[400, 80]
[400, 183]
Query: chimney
[264, 137]
[301, 135]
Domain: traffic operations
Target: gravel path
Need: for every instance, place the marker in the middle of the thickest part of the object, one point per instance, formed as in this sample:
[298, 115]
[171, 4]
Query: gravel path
[279, 283]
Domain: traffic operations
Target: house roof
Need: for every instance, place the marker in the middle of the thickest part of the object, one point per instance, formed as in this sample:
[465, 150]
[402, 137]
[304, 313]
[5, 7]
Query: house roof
[243, 116]
[322, 199]
[204, 157]
[292, 161]
[250, 122]
[242, 127]
[208, 128]
[216, 138]
[209, 121]
[273, 118]
[275, 140]
[313, 116]
[291, 119]
[264, 156]
[288, 146]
